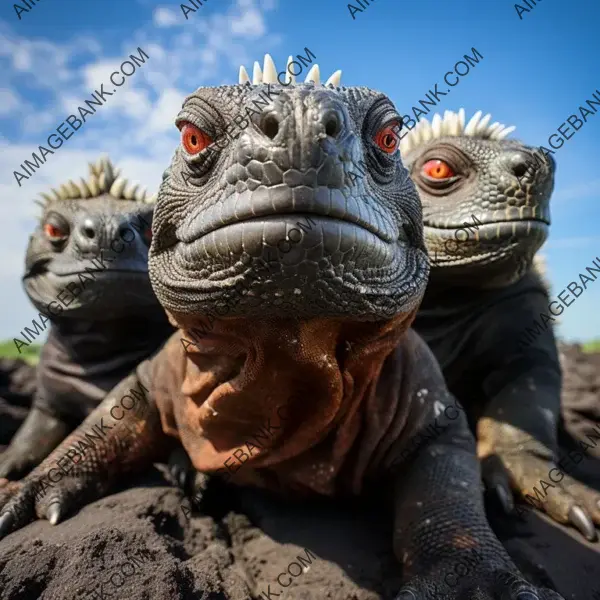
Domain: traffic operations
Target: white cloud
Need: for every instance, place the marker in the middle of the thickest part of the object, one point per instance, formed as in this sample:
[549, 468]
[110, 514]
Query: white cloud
[9, 102]
[135, 126]
[168, 105]
[165, 17]
[249, 23]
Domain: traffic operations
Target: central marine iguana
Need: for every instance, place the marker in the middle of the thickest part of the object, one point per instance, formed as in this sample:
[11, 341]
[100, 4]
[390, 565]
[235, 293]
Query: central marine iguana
[86, 271]
[321, 335]
[483, 294]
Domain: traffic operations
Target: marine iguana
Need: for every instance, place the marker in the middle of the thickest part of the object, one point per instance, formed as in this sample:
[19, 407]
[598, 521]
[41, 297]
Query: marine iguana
[86, 272]
[482, 295]
[323, 332]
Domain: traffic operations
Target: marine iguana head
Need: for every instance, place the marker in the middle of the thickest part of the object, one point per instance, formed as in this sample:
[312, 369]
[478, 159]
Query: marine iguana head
[89, 253]
[496, 190]
[228, 209]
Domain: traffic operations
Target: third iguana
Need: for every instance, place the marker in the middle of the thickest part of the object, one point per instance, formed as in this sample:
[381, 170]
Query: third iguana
[486, 213]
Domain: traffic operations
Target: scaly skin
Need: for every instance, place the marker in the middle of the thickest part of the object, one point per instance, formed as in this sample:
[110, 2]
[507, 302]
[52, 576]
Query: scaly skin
[110, 323]
[482, 295]
[322, 333]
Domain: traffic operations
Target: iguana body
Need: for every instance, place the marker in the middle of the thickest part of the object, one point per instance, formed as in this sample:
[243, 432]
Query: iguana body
[317, 344]
[482, 296]
[86, 271]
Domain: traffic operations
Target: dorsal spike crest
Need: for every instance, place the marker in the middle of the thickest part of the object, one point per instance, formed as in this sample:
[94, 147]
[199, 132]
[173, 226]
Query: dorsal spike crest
[268, 74]
[335, 79]
[313, 75]
[269, 70]
[453, 124]
[116, 189]
[104, 178]
[130, 190]
[244, 77]
[256, 74]
[472, 124]
[289, 78]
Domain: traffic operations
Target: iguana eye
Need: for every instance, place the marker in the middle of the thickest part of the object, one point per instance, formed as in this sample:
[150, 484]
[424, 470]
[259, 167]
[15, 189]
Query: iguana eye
[437, 169]
[194, 140]
[55, 233]
[147, 235]
[387, 138]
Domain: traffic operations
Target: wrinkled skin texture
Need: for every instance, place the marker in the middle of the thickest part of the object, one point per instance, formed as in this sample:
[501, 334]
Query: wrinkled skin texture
[86, 269]
[322, 333]
[482, 296]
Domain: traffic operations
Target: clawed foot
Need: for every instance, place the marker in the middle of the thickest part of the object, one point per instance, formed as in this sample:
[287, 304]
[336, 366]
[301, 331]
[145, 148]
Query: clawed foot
[457, 581]
[515, 461]
[544, 485]
[17, 506]
[192, 482]
[42, 495]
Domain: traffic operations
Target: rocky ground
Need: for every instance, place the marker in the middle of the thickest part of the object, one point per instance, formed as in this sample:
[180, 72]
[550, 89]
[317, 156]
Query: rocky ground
[138, 544]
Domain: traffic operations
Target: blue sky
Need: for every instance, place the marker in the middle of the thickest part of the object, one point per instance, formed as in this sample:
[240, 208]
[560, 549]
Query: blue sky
[536, 71]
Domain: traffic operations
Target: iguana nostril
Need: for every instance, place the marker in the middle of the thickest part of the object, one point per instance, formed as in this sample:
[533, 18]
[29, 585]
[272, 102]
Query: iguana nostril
[270, 126]
[520, 170]
[519, 163]
[89, 232]
[332, 126]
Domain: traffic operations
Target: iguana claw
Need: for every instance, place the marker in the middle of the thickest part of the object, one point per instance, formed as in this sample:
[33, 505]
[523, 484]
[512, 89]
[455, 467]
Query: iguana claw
[583, 522]
[6, 524]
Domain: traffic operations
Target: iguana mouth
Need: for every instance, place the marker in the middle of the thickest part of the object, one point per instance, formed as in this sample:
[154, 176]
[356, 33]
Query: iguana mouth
[282, 201]
[100, 273]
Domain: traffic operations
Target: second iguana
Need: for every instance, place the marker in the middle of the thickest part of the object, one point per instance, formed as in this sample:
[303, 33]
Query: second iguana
[86, 272]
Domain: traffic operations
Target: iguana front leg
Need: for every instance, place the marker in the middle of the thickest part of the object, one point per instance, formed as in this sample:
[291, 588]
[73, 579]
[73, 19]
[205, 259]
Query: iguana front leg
[441, 535]
[518, 446]
[122, 435]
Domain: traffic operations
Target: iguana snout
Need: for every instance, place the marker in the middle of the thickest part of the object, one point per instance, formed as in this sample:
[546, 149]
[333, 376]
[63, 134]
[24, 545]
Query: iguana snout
[276, 194]
[93, 254]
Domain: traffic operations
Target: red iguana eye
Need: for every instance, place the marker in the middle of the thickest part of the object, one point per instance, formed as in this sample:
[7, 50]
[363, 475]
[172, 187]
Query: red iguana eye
[387, 138]
[54, 233]
[148, 235]
[437, 169]
[194, 140]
